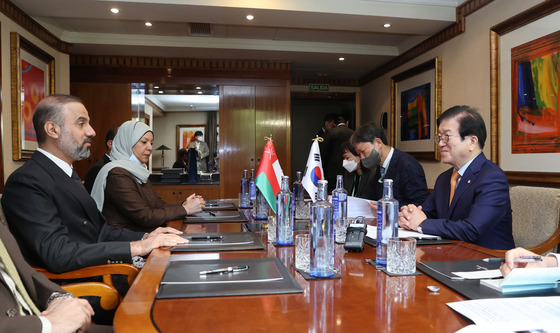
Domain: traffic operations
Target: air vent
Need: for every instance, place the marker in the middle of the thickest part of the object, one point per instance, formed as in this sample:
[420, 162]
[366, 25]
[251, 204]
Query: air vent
[200, 29]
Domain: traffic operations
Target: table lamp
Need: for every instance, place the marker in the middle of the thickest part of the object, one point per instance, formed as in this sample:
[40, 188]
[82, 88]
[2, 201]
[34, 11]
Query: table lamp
[163, 148]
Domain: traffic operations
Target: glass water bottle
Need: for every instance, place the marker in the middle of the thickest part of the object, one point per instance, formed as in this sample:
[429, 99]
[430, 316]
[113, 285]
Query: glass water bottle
[284, 214]
[321, 260]
[387, 222]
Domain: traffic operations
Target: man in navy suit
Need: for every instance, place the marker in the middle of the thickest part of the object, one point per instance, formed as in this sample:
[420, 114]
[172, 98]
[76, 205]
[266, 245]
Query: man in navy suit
[409, 181]
[479, 211]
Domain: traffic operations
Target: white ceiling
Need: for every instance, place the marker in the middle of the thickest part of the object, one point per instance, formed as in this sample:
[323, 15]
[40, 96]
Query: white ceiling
[311, 34]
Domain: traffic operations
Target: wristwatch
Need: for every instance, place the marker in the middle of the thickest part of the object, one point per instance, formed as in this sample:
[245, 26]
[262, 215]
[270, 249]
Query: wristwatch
[419, 228]
[58, 295]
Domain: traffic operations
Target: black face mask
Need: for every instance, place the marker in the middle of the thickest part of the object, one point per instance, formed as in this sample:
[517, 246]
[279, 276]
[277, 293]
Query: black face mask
[372, 161]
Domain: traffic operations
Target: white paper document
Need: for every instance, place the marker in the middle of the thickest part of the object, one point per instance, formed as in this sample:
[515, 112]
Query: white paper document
[510, 314]
[480, 274]
[359, 207]
[372, 233]
[526, 279]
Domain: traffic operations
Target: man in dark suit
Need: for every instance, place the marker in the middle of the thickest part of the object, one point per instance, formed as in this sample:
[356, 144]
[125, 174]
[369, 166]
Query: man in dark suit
[409, 180]
[59, 310]
[332, 150]
[52, 216]
[474, 208]
[92, 173]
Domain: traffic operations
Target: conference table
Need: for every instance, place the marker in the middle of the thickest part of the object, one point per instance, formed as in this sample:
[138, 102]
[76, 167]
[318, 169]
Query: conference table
[363, 300]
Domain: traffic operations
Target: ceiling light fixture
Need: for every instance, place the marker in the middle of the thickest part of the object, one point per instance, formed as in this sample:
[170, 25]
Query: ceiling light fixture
[200, 92]
[148, 24]
[198, 88]
[387, 25]
[161, 91]
[250, 17]
[341, 59]
[156, 87]
[114, 10]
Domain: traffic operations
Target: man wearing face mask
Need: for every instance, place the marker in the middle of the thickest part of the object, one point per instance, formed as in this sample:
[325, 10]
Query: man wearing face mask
[409, 181]
[356, 177]
[202, 149]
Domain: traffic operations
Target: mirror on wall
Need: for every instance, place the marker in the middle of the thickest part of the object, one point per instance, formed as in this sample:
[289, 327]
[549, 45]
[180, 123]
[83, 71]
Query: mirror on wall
[176, 113]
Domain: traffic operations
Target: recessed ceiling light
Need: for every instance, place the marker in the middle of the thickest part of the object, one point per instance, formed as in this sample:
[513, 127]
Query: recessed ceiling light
[114, 10]
[200, 92]
[198, 88]
[161, 91]
[387, 25]
[156, 87]
[250, 17]
[341, 59]
[148, 24]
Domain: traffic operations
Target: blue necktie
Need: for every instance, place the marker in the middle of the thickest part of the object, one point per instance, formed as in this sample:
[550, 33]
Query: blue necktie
[382, 173]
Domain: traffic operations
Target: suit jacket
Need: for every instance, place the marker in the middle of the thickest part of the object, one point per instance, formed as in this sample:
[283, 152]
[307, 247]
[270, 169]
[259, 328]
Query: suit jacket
[366, 180]
[480, 212]
[409, 181]
[331, 153]
[92, 173]
[135, 206]
[37, 285]
[56, 222]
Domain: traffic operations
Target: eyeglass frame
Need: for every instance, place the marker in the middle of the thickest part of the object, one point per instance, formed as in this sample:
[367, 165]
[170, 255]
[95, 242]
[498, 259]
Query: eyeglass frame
[439, 138]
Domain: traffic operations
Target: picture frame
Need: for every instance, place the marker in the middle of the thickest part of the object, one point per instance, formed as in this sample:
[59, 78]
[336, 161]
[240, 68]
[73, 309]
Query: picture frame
[521, 34]
[415, 107]
[33, 78]
[185, 134]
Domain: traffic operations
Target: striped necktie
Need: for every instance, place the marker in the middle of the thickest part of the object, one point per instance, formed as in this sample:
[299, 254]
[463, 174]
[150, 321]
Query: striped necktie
[13, 273]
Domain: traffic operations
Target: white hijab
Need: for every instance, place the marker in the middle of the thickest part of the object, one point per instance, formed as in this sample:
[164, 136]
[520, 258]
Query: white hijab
[129, 133]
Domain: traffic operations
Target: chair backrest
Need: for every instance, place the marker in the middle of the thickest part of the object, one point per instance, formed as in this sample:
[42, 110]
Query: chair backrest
[536, 217]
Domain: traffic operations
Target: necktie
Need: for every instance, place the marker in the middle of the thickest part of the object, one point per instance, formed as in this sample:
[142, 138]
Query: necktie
[382, 173]
[76, 178]
[453, 184]
[12, 272]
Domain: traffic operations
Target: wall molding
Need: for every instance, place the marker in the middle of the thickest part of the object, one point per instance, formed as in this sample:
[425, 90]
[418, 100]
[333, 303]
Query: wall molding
[439, 38]
[28, 23]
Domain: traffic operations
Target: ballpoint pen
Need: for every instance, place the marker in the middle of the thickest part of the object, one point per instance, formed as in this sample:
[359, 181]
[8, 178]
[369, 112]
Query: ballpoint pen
[210, 238]
[520, 259]
[231, 269]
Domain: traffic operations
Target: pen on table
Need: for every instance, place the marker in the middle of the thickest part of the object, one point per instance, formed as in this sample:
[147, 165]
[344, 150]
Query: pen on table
[225, 270]
[210, 238]
[520, 259]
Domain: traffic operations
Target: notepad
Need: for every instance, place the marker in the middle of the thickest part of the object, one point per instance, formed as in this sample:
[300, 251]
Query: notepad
[372, 232]
[525, 279]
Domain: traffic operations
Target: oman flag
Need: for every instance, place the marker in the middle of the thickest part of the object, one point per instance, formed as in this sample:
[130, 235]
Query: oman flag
[269, 175]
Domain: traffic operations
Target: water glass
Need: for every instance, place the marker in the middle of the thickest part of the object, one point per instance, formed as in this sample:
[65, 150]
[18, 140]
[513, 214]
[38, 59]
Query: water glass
[272, 229]
[302, 252]
[340, 229]
[401, 255]
[244, 200]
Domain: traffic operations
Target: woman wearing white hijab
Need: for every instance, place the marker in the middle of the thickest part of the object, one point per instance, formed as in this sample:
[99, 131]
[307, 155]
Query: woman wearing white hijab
[122, 190]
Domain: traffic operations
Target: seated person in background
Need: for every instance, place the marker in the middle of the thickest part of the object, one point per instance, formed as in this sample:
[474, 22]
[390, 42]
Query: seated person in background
[356, 177]
[50, 213]
[202, 150]
[123, 192]
[92, 173]
[181, 162]
[409, 181]
[472, 205]
[551, 260]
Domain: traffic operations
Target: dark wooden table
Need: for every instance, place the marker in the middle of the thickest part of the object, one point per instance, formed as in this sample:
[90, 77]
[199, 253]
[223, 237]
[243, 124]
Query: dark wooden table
[364, 300]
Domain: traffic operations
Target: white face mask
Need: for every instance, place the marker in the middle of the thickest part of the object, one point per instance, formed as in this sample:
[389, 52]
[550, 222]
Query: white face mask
[199, 139]
[349, 165]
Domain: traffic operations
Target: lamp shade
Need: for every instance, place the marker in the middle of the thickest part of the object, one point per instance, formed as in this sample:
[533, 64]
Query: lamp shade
[163, 147]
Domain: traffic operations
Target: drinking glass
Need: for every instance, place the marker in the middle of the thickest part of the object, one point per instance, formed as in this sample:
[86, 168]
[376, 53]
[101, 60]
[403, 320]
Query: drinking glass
[302, 252]
[340, 229]
[401, 255]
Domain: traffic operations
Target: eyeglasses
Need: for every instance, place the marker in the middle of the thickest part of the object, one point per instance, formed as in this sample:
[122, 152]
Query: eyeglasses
[444, 138]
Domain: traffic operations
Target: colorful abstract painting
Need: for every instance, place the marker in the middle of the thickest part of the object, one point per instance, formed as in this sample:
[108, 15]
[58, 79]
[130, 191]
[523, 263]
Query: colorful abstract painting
[535, 85]
[32, 91]
[415, 113]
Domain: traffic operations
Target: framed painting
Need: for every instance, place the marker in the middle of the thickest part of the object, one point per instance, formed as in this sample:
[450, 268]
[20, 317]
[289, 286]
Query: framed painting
[185, 134]
[524, 83]
[415, 106]
[32, 79]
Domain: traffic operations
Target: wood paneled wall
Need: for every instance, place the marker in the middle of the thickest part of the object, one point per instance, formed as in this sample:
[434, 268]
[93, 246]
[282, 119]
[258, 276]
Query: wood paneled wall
[108, 105]
[254, 103]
